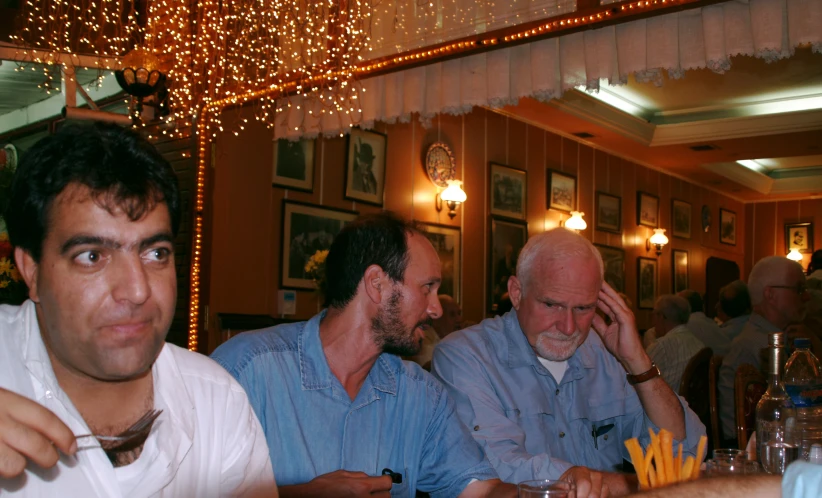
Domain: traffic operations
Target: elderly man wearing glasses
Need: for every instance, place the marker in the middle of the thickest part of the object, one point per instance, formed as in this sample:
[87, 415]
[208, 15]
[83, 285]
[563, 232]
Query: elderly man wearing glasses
[778, 294]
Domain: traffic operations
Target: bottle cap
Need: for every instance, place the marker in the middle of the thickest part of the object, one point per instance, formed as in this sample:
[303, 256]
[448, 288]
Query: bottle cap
[801, 342]
[777, 339]
[816, 454]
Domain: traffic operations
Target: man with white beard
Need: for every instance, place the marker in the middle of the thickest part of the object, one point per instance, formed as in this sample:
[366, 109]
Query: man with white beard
[544, 397]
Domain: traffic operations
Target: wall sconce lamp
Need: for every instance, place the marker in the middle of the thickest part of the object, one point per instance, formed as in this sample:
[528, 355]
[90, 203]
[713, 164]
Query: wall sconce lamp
[658, 240]
[575, 222]
[453, 195]
[794, 255]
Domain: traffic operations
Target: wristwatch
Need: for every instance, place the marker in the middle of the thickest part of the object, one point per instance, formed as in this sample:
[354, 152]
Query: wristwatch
[644, 376]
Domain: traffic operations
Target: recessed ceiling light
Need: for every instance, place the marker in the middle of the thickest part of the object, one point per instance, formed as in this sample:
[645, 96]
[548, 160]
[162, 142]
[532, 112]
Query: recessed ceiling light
[751, 164]
[703, 147]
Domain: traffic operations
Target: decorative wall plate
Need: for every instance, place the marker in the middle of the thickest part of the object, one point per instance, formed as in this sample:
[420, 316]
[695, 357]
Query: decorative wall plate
[706, 218]
[440, 164]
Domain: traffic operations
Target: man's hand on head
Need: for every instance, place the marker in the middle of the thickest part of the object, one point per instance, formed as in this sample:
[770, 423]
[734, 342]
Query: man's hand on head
[340, 483]
[620, 336]
[30, 432]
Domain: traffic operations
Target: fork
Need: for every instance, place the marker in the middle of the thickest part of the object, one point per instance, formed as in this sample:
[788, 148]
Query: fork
[136, 429]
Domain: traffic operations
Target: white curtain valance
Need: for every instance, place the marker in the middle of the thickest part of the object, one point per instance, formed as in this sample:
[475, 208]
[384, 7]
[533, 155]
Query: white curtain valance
[691, 39]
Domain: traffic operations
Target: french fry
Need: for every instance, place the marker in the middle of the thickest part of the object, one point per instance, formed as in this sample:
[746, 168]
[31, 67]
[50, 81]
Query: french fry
[688, 468]
[635, 450]
[658, 458]
[652, 477]
[678, 464]
[648, 456]
[700, 455]
[666, 441]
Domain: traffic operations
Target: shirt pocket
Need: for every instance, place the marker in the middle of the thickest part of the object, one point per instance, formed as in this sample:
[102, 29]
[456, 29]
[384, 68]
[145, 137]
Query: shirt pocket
[605, 449]
[537, 423]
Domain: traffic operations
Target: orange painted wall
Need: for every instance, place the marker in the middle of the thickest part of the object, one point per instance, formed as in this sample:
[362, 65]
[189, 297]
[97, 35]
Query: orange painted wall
[766, 225]
[246, 221]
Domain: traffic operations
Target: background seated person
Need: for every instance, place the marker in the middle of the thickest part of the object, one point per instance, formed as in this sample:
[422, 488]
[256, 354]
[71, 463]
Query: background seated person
[676, 344]
[704, 328]
[545, 396]
[734, 308]
[337, 403]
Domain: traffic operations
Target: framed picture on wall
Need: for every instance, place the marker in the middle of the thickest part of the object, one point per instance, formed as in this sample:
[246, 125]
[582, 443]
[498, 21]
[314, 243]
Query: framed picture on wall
[727, 227]
[646, 283]
[613, 261]
[365, 166]
[799, 236]
[293, 164]
[609, 213]
[307, 229]
[508, 191]
[647, 209]
[681, 219]
[680, 268]
[446, 241]
[506, 241]
[562, 191]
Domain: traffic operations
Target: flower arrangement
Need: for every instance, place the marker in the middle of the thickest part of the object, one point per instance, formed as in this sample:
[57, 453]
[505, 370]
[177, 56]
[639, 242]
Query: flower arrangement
[315, 268]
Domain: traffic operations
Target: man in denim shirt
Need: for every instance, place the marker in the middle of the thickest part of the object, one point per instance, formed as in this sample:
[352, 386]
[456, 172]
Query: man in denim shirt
[336, 404]
[545, 397]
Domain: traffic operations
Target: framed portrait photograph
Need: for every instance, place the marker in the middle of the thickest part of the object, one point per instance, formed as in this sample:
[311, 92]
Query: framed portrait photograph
[562, 191]
[647, 209]
[609, 213]
[365, 166]
[680, 268]
[307, 229]
[681, 219]
[293, 164]
[727, 227]
[646, 283]
[799, 236]
[446, 241]
[613, 260]
[507, 239]
[508, 191]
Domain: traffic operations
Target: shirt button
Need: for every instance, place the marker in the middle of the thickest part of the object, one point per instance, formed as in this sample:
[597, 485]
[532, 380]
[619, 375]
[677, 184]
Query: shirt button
[605, 437]
[476, 427]
[561, 434]
[557, 393]
[48, 395]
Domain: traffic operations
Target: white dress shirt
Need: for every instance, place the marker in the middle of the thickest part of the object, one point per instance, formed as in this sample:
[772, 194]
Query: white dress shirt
[206, 443]
[672, 352]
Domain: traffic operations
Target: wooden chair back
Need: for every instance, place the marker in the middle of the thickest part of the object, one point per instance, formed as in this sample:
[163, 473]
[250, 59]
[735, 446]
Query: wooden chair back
[694, 386]
[749, 386]
[713, 399]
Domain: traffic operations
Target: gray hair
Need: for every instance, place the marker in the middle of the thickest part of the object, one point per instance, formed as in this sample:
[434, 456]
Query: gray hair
[557, 244]
[674, 309]
[769, 271]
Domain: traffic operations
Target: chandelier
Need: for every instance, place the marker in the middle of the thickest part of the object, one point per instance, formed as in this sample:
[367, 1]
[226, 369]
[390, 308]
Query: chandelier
[296, 54]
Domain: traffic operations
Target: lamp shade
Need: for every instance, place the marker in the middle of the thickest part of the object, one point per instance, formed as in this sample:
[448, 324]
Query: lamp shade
[454, 192]
[659, 238]
[794, 255]
[575, 222]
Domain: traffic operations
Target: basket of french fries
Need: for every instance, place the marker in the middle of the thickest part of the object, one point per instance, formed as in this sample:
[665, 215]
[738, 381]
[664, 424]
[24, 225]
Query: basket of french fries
[657, 466]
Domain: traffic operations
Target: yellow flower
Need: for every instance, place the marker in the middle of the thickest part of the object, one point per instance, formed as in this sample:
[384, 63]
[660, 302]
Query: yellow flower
[4, 237]
[14, 274]
[4, 284]
[5, 266]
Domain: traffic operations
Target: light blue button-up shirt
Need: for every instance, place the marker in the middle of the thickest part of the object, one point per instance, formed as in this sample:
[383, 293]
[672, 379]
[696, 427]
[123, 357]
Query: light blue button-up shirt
[402, 419]
[530, 425]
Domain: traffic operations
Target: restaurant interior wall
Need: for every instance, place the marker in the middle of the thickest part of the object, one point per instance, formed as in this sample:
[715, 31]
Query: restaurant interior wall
[765, 222]
[243, 230]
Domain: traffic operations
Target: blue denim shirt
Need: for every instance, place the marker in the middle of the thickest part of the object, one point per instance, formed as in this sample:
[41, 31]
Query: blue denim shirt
[530, 425]
[402, 418]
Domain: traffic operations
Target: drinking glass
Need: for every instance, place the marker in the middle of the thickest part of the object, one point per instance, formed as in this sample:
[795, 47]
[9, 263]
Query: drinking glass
[546, 488]
[777, 449]
[730, 453]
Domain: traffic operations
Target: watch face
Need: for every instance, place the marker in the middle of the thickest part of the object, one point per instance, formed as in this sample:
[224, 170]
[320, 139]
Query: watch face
[706, 218]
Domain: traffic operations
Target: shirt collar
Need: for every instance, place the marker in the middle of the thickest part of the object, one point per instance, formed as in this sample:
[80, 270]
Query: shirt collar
[679, 329]
[520, 353]
[316, 374]
[759, 322]
[731, 322]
